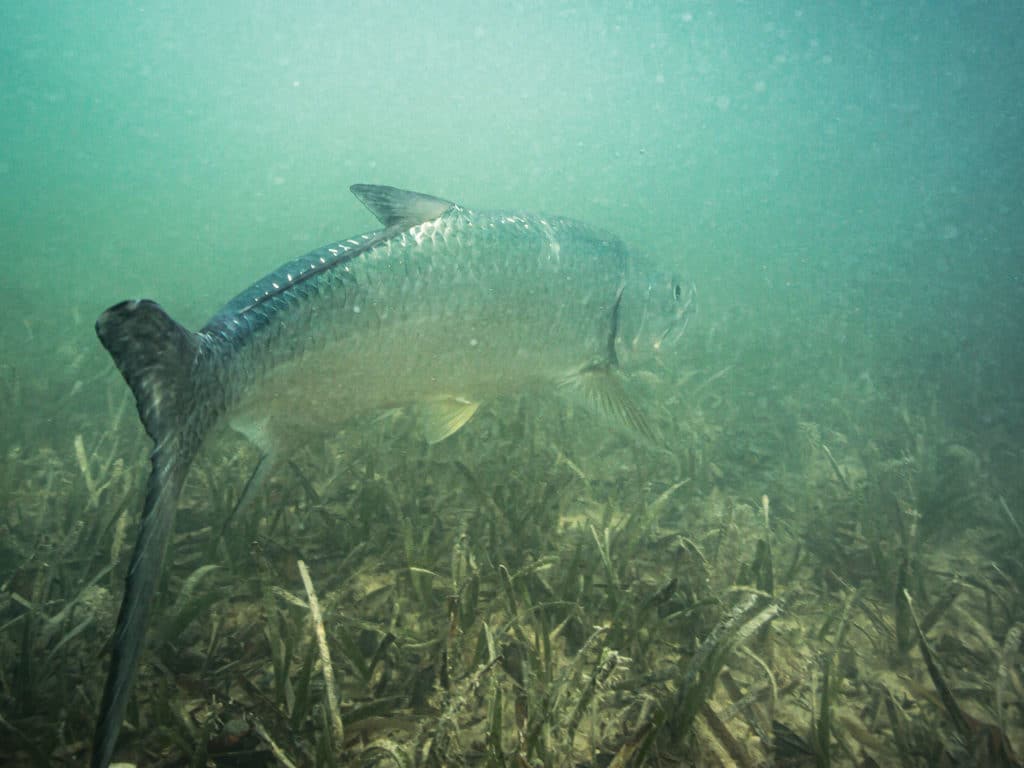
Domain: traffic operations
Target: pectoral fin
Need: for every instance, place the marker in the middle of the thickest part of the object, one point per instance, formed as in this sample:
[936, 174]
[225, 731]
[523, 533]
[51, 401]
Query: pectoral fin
[444, 417]
[600, 388]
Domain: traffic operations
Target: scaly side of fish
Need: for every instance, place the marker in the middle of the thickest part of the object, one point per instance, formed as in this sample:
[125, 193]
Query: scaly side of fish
[441, 309]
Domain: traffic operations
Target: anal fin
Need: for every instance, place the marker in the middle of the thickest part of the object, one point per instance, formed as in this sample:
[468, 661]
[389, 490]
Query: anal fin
[445, 416]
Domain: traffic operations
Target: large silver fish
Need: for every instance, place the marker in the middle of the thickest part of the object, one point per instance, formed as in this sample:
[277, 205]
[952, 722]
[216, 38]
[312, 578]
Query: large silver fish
[442, 309]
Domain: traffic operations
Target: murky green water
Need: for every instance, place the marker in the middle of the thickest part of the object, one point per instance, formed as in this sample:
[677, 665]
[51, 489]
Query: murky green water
[842, 183]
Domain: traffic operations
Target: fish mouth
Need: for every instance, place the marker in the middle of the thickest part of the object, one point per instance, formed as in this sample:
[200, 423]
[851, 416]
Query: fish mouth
[686, 298]
[671, 336]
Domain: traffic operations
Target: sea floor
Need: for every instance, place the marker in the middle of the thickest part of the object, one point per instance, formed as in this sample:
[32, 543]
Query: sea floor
[542, 589]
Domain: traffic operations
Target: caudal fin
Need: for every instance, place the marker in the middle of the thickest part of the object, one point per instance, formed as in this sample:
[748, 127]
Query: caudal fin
[159, 360]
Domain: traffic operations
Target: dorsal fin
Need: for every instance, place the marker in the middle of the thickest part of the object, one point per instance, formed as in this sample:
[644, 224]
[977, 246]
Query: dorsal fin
[400, 207]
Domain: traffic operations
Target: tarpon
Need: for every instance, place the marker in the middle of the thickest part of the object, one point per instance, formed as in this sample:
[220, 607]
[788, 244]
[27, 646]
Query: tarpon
[441, 309]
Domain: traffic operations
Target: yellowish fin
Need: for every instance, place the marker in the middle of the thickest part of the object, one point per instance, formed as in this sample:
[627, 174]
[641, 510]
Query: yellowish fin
[444, 417]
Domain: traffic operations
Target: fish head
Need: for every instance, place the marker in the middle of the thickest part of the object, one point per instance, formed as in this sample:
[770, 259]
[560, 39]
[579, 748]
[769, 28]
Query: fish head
[655, 312]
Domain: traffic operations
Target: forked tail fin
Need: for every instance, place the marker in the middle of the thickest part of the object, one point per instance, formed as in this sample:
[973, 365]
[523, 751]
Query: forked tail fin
[160, 361]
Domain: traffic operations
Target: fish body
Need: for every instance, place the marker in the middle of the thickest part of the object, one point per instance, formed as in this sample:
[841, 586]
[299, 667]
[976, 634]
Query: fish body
[442, 309]
[460, 309]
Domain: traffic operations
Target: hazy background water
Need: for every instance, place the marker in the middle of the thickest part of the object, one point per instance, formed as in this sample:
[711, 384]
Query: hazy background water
[839, 179]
